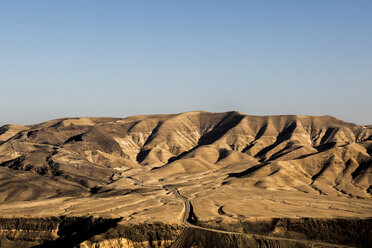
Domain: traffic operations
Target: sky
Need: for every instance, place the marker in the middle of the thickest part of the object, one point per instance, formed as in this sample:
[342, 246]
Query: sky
[116, 58]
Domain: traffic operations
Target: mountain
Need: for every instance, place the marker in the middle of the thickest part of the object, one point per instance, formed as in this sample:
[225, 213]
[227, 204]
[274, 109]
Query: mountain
[230, 166]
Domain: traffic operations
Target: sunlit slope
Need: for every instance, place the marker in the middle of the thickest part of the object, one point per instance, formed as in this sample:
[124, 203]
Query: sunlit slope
[72, 156]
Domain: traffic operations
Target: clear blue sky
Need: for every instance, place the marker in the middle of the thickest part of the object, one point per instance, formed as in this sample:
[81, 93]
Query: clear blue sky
[120, 58]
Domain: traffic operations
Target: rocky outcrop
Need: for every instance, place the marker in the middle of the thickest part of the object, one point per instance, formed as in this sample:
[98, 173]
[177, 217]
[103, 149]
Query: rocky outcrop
[27, 232]
[83, 232]
[354, 232]
[154, 235]
[113, 233]
[192, 237]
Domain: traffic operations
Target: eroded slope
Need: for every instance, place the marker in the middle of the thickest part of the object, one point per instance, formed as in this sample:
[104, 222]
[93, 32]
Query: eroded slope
[233, 168]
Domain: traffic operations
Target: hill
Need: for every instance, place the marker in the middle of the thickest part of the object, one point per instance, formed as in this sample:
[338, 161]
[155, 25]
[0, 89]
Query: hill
[231, 167]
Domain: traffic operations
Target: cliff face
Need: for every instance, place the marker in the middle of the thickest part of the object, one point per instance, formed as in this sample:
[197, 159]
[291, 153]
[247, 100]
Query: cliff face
[83, 232]
[111, 233]
[23, 232]
[304, 231]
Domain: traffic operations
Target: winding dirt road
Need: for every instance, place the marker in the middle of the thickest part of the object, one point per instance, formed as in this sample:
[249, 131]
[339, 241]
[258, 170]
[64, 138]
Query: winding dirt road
[136, 181]
[188, 213]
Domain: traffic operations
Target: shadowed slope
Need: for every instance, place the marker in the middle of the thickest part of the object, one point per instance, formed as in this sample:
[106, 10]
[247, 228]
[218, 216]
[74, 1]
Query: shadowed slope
[299, 152]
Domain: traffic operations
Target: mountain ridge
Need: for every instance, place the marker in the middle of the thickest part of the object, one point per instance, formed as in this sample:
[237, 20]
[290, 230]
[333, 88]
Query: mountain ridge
[72, 159]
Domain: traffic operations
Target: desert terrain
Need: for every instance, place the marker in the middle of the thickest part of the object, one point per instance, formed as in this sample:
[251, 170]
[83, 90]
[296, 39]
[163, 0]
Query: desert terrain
[194, 179]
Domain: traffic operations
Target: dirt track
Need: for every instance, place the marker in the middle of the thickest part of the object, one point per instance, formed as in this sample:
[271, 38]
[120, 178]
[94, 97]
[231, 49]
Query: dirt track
[187, 212]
